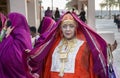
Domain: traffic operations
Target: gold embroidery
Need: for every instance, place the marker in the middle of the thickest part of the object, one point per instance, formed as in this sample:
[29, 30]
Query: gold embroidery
[66, 47]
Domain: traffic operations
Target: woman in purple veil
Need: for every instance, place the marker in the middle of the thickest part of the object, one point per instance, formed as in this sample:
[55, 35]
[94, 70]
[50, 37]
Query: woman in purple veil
[47, 25]
[41, 55]
[13, 58]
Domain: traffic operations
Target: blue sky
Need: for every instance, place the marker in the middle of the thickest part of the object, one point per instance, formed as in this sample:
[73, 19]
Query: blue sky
[61, 3]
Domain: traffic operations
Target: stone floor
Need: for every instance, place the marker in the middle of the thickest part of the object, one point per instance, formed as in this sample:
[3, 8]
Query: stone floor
[109, 25]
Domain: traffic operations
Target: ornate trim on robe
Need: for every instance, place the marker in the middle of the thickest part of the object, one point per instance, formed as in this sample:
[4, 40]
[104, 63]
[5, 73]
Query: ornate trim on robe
[70, 64]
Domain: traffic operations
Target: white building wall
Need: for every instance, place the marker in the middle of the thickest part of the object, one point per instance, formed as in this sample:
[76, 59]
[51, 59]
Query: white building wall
[19, 6]
[37, 13]
[91, 13]
[79, 6]
[29, 9]
[31, 12]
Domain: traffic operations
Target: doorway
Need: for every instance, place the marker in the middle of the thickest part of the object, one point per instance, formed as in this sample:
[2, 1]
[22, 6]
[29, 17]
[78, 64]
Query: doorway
[4, 6]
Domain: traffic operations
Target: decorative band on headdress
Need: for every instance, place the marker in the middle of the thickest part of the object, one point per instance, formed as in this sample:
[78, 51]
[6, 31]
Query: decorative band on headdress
[68, 18]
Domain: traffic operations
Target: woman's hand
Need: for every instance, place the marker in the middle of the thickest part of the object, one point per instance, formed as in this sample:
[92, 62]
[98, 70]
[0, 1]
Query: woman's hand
[9, 30]
[113, 46]
[27, 50]
[35, 75]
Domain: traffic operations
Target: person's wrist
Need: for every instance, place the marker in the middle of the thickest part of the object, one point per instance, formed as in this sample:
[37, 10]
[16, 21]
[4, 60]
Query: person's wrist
[4, 28]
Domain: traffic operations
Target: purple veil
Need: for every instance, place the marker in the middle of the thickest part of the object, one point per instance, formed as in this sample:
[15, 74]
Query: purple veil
[13, 59]
[96, 43]
[42, 45]
[46, 26]
[3, 18]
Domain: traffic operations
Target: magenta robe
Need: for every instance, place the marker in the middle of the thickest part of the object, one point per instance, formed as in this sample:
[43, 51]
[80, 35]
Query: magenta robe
[13, 58]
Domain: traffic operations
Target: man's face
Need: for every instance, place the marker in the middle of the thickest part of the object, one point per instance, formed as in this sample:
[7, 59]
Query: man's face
[68, 30]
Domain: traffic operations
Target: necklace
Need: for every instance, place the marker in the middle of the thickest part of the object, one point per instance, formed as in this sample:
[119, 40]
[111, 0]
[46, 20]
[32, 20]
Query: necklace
[65, 48]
